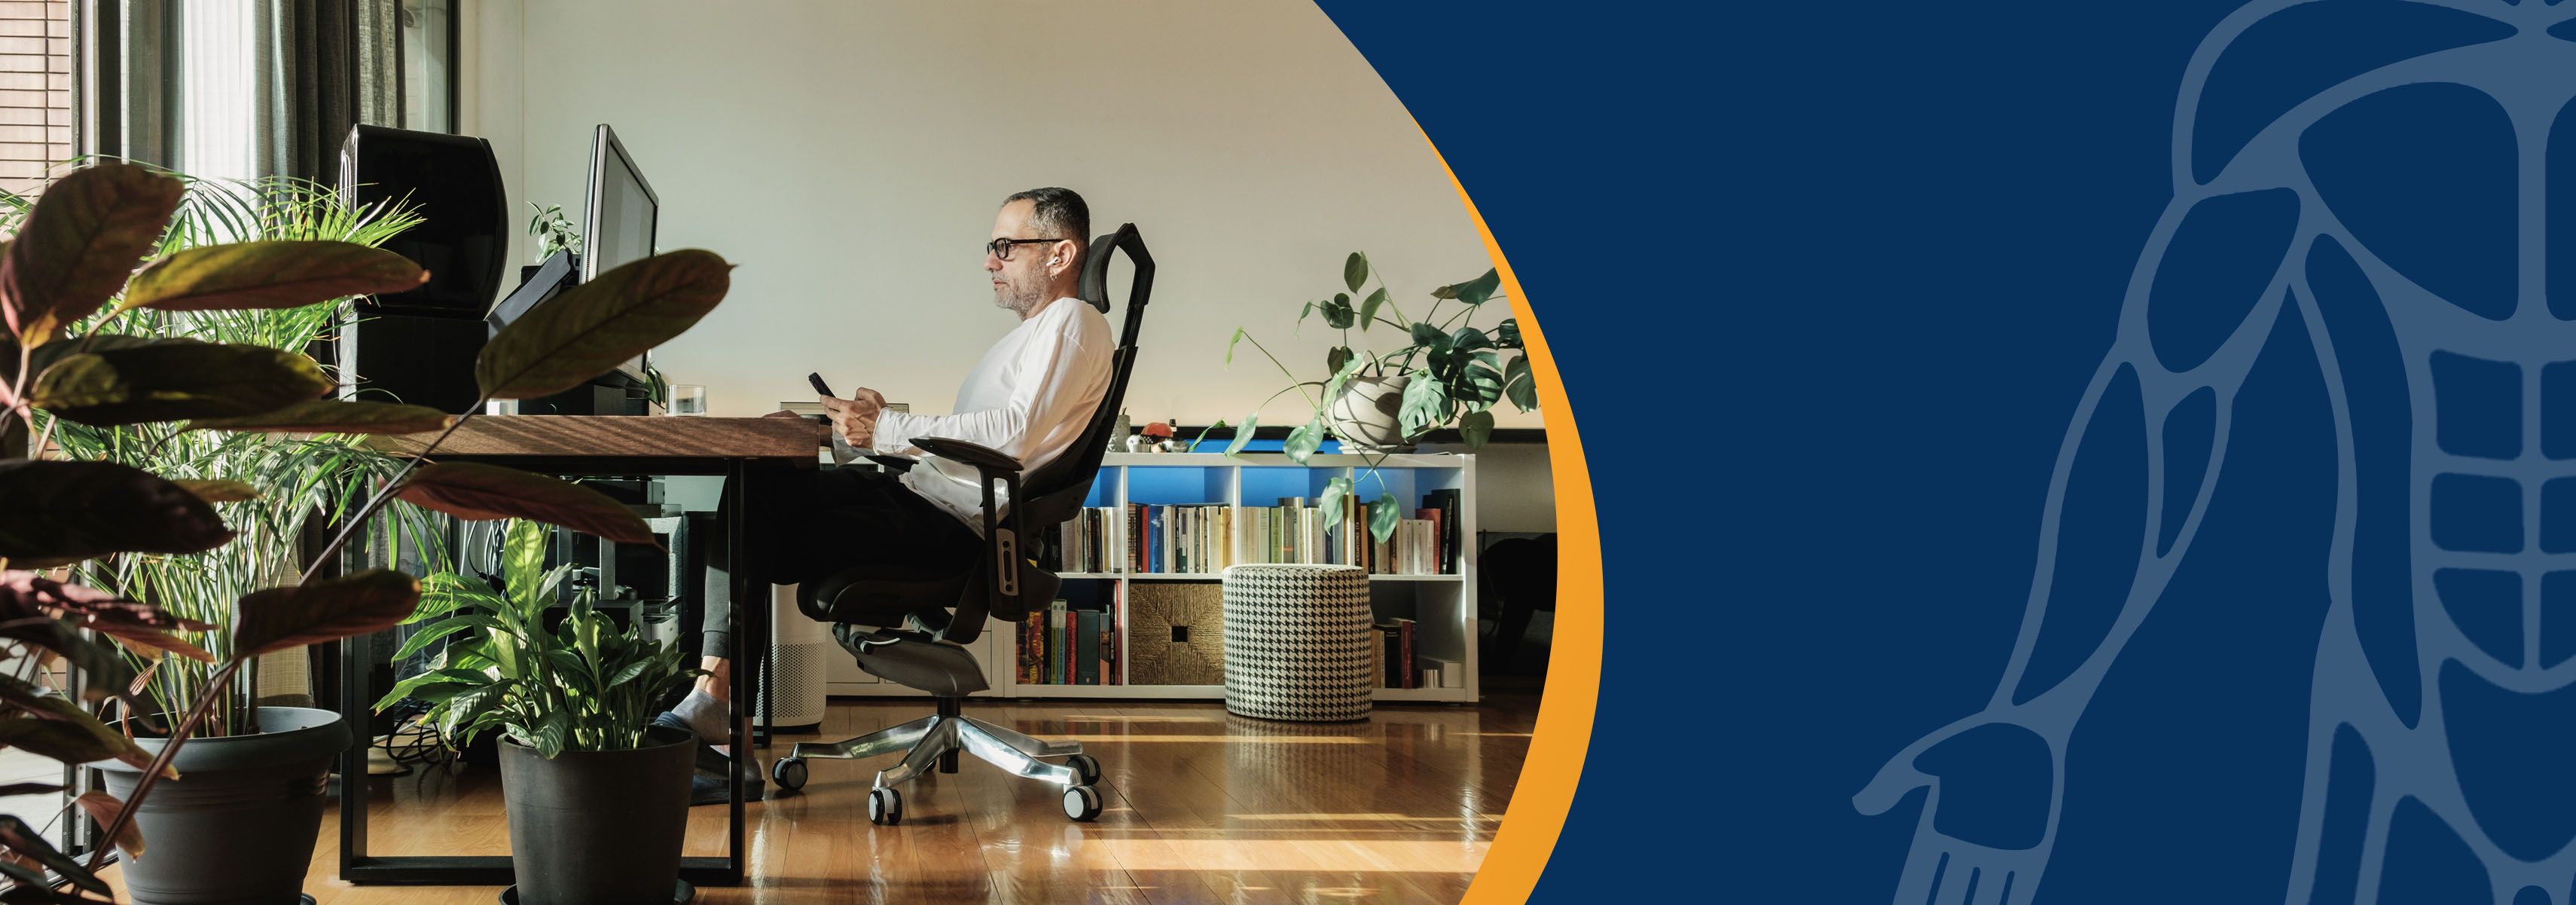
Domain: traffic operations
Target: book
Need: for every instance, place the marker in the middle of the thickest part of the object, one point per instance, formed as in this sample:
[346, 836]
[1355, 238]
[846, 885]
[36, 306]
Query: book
[1395, 643]
[1377, 654]
[1439, 673]
[1404, 637]
[1055, 638]
[1389, 656]
[1108, 634]
[1450, 534]
[1433, 564]
[1133, 553]
[1031, 655]
[1086, 648]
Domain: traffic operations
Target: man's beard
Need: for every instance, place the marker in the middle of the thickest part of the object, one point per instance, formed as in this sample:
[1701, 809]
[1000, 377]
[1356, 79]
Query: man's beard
[1019, 298]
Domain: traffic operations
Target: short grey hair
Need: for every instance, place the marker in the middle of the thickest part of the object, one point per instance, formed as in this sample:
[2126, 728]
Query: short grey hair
[1058, 213]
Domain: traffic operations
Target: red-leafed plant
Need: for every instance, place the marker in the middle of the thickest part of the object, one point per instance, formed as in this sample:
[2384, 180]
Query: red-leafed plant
[74, 260]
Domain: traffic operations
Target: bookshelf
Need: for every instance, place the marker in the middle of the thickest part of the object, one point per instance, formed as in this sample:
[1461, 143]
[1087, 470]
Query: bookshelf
[1442, 606]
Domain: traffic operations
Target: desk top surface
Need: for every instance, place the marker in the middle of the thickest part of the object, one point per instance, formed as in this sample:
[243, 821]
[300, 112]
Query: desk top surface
[614, 437]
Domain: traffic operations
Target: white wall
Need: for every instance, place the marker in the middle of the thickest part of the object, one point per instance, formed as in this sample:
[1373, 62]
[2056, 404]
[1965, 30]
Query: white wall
[849, 157]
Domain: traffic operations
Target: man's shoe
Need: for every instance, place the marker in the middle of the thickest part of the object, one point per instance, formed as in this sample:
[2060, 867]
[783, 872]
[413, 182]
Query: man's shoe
[708, 787]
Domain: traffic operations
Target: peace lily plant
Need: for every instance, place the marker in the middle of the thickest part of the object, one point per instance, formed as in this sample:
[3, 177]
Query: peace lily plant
[1448, 372]
[69, 286]
[584, 685]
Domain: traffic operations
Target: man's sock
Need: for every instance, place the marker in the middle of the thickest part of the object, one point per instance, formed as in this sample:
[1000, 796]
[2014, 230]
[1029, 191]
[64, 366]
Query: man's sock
[705, 716]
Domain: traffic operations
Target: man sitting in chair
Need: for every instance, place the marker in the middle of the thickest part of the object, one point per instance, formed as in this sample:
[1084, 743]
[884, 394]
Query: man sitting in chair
[1030, 398]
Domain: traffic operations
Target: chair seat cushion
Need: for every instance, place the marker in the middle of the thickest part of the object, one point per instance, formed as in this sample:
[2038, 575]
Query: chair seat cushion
[913, 660]
[880, 595]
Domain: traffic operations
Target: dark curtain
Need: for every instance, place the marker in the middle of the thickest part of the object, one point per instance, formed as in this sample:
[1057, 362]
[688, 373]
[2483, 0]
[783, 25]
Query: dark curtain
[319, 53]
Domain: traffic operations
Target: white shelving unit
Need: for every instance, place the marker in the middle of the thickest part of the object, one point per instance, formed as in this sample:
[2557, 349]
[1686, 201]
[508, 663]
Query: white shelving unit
[1443, 607]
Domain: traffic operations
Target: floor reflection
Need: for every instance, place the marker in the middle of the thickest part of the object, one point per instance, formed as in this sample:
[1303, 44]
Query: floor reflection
[1203, 806]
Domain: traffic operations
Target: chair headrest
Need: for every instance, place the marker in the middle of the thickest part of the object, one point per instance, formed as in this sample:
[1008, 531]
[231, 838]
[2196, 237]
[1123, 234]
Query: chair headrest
[1094, 286]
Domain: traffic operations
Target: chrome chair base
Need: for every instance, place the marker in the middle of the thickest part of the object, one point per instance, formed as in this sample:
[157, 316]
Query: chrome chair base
[934, 742]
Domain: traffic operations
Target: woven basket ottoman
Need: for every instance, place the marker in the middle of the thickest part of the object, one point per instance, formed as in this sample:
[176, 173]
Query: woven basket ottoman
[1297, 641]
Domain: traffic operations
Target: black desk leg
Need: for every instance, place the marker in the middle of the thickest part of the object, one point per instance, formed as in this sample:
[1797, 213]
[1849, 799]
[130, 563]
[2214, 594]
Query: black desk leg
[353, 762]
[739, 622]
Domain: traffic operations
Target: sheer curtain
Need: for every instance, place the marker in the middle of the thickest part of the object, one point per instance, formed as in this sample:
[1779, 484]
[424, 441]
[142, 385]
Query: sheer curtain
[243, 89]
[248, 88]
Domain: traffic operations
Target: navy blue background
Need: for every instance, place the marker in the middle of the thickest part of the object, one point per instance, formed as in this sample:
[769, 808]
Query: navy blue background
[1825, 282]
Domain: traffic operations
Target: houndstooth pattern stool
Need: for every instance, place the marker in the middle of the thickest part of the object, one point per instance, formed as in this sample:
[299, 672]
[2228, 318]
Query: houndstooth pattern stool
[1297, 642]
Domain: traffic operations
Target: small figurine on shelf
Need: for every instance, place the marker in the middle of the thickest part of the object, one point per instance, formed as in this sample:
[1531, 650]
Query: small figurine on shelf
[1119, 438]
[1157, 437]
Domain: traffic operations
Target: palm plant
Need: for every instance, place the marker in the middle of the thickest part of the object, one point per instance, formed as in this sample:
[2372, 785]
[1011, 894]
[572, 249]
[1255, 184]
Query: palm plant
[301, 477]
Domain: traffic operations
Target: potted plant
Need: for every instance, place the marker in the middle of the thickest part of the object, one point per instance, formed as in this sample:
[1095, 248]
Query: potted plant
[1447, 372]
[268, 486]
[598, 797]
[553, 231]
[73, 255]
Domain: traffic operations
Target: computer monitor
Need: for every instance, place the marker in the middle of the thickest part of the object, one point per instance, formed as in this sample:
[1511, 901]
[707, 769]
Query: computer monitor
[620, 216]
[622, 208]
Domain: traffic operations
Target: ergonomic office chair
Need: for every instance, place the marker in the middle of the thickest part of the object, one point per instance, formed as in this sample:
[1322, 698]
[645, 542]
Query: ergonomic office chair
[910, 628]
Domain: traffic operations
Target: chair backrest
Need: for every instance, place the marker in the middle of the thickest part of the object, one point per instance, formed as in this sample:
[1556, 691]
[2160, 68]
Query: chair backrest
[1056, 490]
[1044, 498]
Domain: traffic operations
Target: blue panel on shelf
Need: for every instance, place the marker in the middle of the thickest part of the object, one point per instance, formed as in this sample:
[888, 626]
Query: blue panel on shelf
[1161, 485]
[1261, 446]
[1263, 486]
[1370, 484]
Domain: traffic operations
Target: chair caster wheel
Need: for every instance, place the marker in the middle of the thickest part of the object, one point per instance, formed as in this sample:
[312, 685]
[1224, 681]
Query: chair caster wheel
[885, 807]
[1085, 767]
[788, 773]
[1081, 803]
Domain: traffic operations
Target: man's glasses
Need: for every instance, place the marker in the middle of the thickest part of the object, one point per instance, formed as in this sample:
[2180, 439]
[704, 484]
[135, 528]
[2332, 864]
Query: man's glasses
[1000, 249]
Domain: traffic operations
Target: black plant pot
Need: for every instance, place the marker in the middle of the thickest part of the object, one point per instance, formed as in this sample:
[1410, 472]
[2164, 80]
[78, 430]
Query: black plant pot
[237, 827]
[598, 827]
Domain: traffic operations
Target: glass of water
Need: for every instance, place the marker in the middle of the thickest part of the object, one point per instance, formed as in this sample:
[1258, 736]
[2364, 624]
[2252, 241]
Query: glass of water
[688, 399]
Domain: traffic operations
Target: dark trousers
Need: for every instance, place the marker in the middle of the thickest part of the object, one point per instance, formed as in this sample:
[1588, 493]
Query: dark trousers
[809, 523]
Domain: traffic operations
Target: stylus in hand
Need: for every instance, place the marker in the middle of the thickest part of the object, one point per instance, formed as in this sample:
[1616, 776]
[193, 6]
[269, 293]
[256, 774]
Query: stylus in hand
[816, 379]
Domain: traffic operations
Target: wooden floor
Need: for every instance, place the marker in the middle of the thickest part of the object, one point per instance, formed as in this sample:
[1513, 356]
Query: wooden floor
[1202, 806]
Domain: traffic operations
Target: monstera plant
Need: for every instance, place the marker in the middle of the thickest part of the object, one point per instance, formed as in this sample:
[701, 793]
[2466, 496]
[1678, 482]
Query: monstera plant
[69, 279]
[1446, 372]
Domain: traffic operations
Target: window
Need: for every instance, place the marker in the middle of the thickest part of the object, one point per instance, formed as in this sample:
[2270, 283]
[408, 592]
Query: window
[428, 55]
[36, 107]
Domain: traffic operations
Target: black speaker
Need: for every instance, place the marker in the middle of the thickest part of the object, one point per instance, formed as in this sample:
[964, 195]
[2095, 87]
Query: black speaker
[416, 359]
[454, 183]
[419, 346]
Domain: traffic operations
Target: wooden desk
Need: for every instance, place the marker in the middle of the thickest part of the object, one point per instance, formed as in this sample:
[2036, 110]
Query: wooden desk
[614, 438]
[588, 446]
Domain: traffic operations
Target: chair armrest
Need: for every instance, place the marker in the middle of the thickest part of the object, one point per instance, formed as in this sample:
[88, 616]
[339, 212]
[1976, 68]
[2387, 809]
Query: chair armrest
[897, 464]
[1005, 566]
[984, 458]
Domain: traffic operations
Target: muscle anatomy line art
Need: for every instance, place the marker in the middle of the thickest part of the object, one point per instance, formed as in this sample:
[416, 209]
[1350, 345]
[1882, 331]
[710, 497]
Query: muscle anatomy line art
[2398, 212]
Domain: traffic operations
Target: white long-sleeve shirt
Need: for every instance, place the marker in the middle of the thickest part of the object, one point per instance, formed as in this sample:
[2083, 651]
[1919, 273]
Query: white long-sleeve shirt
[1029, 398]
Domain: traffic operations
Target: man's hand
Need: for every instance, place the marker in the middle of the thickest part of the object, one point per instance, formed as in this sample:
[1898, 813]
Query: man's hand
[855, 419]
